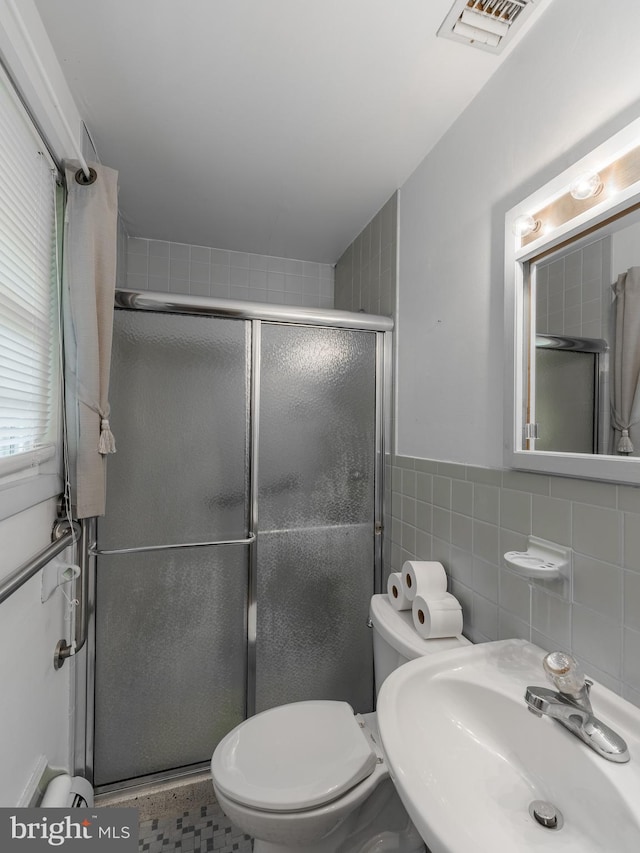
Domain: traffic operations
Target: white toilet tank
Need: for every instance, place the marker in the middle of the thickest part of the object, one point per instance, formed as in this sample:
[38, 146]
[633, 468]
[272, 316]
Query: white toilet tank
[395, 640]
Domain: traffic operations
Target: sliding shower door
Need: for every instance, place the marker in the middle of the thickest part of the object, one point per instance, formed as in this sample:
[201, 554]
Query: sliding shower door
[262, 434]
[316, 515]
[171, 623]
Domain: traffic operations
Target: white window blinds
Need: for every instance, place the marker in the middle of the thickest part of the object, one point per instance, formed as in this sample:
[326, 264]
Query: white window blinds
[28, 292]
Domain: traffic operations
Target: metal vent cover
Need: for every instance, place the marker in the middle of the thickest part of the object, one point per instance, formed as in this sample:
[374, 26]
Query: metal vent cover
[488, 24]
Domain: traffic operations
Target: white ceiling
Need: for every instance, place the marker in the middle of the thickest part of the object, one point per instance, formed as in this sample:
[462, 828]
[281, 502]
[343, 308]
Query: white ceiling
[271, 126]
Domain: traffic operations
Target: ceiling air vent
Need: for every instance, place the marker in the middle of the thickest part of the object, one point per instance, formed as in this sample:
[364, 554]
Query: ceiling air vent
[487, 24]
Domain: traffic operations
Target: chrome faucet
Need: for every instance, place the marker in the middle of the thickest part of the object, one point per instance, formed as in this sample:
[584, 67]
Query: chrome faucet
[570, 705]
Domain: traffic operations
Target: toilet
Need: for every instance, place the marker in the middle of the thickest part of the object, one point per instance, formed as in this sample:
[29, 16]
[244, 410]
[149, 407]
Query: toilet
[312, 775]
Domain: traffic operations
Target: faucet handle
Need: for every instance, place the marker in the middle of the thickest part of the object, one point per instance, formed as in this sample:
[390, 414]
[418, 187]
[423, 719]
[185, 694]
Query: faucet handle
[566, 674]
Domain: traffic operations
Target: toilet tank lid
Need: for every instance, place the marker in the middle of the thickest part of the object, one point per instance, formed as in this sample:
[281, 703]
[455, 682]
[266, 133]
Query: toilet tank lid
[293, 757]
[396, 628]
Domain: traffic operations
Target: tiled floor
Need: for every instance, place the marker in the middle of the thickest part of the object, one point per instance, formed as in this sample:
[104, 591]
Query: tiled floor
[180, 816]
[199, 831]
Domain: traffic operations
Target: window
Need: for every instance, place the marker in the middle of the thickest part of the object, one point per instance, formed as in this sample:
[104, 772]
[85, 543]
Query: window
[29, 296]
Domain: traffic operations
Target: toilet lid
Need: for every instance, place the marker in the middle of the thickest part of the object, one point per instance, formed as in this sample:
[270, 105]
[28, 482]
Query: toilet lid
[293, 757]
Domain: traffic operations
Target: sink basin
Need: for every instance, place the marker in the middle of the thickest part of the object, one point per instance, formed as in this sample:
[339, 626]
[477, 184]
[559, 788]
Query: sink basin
[468, 758]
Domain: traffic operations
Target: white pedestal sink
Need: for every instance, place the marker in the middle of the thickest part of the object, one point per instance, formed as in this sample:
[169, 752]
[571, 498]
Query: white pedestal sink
[468, 758]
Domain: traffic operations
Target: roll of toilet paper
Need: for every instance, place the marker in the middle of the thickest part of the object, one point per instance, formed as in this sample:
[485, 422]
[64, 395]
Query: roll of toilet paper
[437, 617]
[422, 577]
[395, 592]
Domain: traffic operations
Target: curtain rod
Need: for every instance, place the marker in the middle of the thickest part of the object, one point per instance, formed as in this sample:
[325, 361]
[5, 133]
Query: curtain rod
[49, 88]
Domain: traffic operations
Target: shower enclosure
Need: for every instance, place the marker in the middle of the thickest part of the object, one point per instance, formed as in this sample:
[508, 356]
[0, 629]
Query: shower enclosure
[242, 536]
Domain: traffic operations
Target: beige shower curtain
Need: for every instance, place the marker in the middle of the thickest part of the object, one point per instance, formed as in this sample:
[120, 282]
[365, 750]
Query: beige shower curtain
[89, 280]
[625, 397]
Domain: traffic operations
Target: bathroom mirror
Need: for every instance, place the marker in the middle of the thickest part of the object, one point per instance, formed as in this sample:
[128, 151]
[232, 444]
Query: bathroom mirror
[572, 319]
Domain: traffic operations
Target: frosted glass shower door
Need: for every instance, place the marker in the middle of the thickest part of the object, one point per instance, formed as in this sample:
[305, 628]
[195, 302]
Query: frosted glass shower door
[171, 645]
[315, 554]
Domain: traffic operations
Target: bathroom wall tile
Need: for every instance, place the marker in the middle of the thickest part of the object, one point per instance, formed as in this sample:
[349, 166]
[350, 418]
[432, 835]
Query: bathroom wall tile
[240, 293]
[450, 469]
[424, 486]
[423, 545]
[396, 478]
[408, 538]
[405, 462]
[408, 510]
[258, 279]
[460, 567]
[631, 667]
[486, 503]
[180, 251]
[465, 597]
[631, 695]
[220, 290]
[159, 265]
[552, 617]
[510, 626]
[629, 499]
[551, 519]
[137, 282]
[631, 612]
[137, 246]
[631, 541]
[441, 524]
[515, 511]
[199, 288]
[424, 516]
[584, 491]
[220, 256]
[137, 263]
[462, 531]
[485, 579]
[605, 678]
[487, 476]
[239, 276]
[159, 249]
[523, 481]
[409, 482]
[178, 268]
[513, 594]
[441, 551]
[220, 274]
[598, 585]
[200, 273]
[158, 283]
[179, 285]
[486, 542]
[597, 639]
[442, 492]
[462, 497]
[597, 532]
[511, 541]
[485, 617]
[200, 254]
[428, 466]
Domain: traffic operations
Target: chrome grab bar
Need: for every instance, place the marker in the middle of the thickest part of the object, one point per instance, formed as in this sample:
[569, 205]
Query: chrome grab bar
[98, 552]
[64, 534]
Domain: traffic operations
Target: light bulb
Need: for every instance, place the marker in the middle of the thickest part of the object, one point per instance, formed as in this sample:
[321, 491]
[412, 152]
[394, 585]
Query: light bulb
[586, 185]
[525, 225]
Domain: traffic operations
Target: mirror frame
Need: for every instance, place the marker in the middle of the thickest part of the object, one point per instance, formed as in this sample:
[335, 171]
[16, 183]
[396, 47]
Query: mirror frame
[611, 202]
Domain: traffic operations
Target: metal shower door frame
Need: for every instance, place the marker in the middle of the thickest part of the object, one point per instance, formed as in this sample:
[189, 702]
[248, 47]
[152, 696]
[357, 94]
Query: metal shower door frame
[83, 683]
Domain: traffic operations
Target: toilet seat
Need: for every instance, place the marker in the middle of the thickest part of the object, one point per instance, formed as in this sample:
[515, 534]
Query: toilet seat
[294, 757]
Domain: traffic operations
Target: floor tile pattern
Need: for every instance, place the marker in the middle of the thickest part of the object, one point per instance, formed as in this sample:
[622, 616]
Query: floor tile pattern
[199, 831]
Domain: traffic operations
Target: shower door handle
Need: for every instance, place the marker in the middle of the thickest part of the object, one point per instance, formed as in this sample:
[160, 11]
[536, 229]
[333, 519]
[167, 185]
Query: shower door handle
[98, 552]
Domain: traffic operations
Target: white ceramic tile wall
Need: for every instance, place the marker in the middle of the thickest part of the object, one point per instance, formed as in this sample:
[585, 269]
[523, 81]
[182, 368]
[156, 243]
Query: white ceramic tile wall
[366, 272]
[203, 271]
[467, 517]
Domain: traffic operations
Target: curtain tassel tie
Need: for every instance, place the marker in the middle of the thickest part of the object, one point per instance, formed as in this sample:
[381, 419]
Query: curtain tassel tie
[625, 445]
[107, 443]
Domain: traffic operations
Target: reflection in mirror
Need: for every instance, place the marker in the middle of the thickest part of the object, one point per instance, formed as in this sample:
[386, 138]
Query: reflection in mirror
[572, 319]
[584, 340]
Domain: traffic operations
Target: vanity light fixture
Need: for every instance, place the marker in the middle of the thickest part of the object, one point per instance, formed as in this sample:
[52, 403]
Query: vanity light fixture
[524, 225]
[586, 185]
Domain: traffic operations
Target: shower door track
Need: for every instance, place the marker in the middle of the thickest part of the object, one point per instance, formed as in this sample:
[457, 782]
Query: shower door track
[256, 313]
